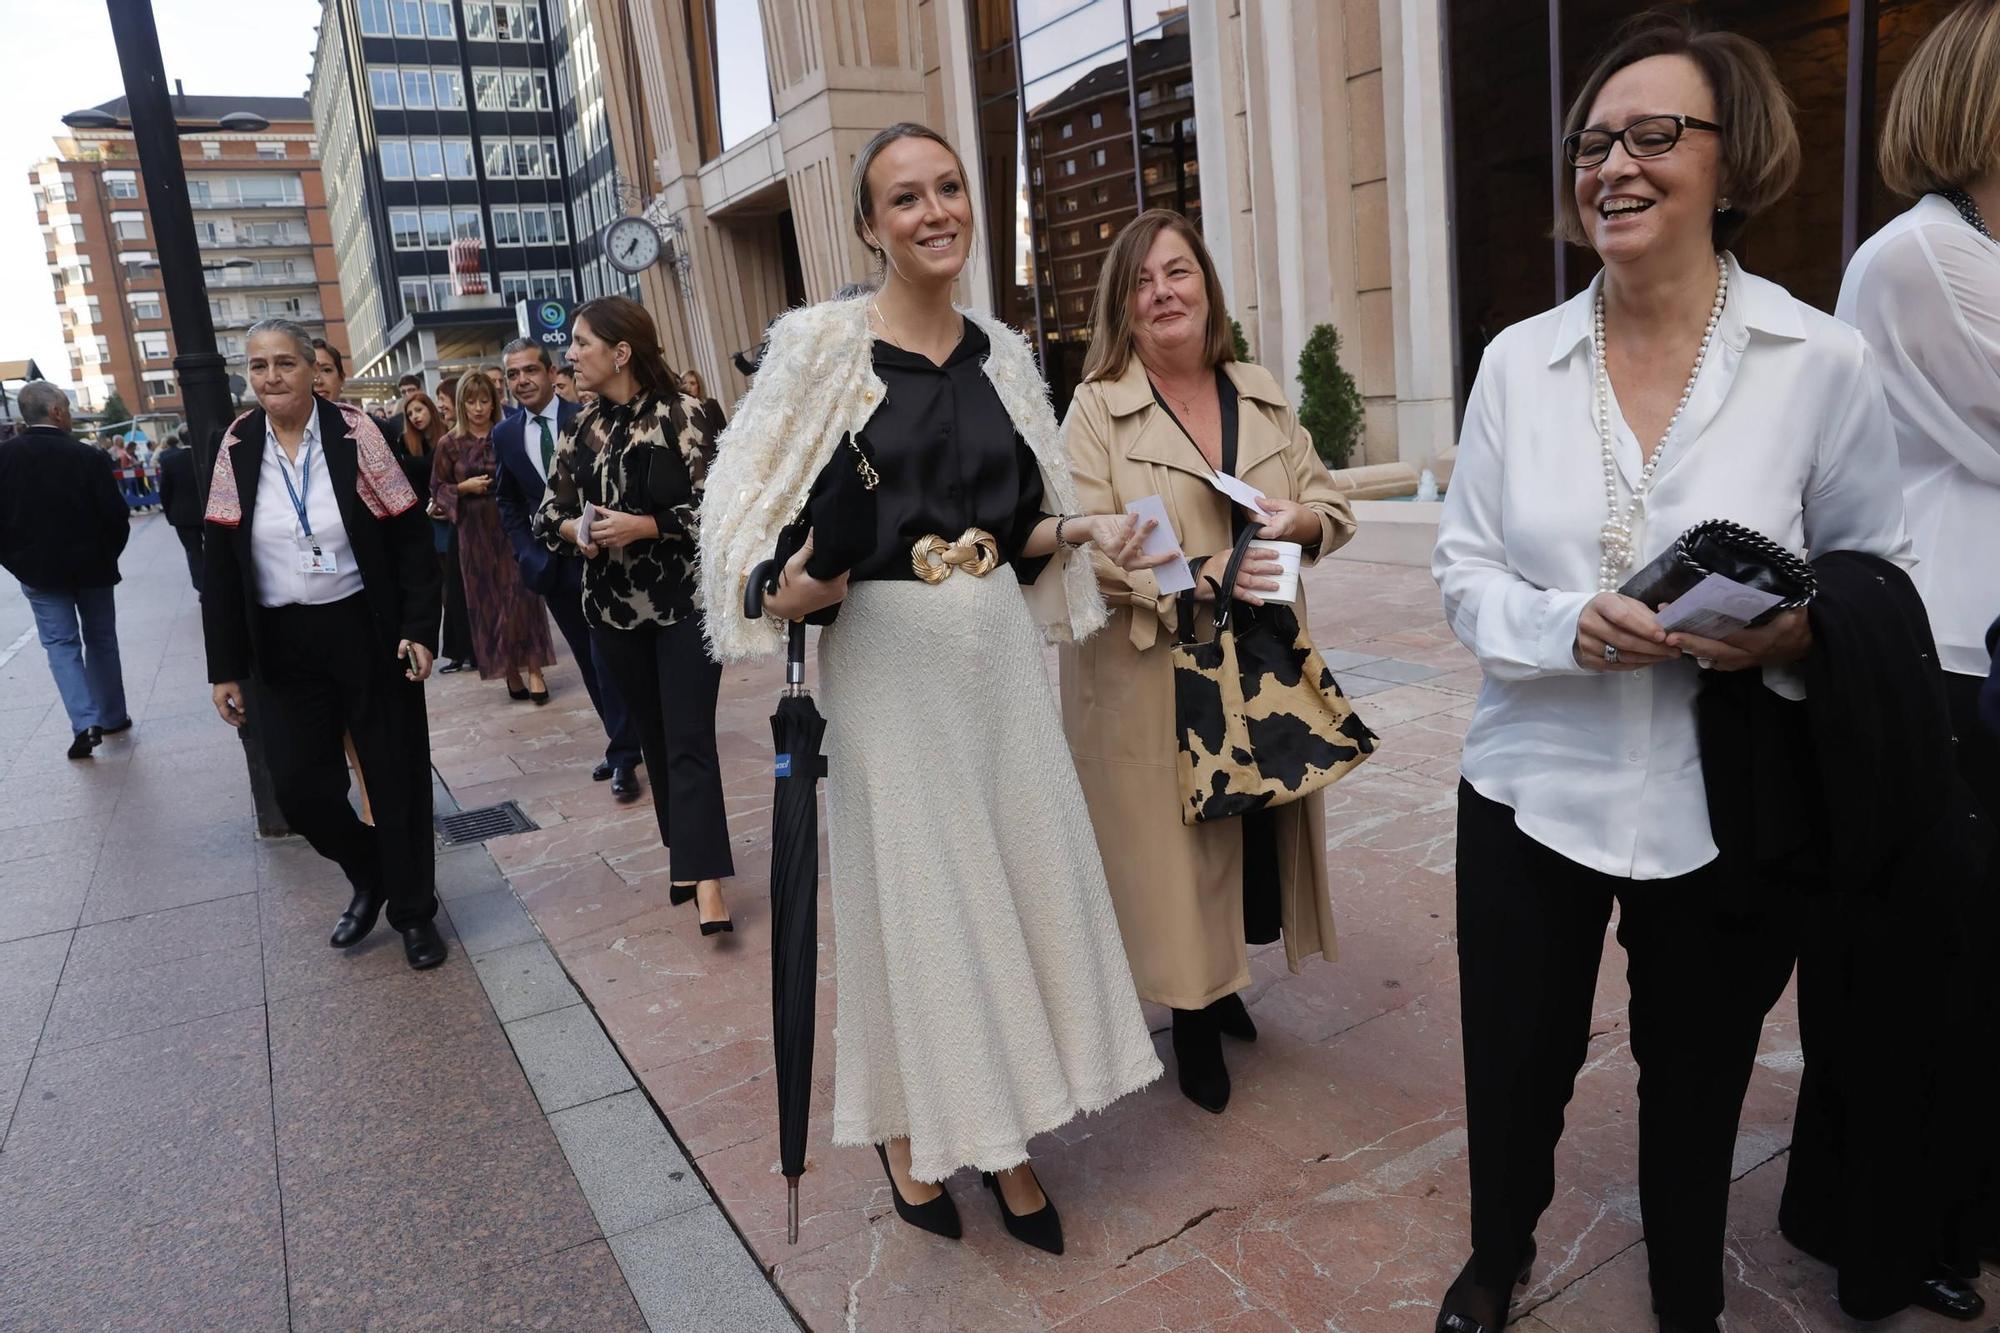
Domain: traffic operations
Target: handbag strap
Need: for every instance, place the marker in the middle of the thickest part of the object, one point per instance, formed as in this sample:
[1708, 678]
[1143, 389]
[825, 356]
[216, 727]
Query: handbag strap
[1224, 603]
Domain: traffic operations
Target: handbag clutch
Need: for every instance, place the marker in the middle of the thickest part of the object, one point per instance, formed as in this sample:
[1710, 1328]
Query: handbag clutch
[840, 514]
[1260, 719]
[1718, 546]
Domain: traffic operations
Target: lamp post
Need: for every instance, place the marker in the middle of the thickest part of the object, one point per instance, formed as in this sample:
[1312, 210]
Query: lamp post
[202, 371]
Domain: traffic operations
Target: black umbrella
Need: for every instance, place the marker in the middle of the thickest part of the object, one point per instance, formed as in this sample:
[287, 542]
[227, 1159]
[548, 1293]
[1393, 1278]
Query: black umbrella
[796, 731]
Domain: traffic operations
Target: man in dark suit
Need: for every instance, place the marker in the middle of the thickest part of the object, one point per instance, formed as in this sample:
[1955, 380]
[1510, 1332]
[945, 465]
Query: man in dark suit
[180, 501]
[523, 446]
[63, 525]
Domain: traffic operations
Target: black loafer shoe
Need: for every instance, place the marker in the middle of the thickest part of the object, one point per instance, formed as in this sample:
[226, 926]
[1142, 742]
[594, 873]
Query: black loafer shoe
[451, 667]
[422, 946]
[101, 732]
[1943, 1292]
[1041, 1228]
[602, 772]
[357, 920]
[624, 784]
[82, 744]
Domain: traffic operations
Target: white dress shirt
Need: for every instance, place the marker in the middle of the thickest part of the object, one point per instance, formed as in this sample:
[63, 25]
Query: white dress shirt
[1786, 433]
[1925, 293]
[531, 436]
[275, 529]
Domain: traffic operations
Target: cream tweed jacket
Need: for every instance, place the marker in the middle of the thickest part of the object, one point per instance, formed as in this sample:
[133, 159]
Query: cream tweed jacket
[815, 384]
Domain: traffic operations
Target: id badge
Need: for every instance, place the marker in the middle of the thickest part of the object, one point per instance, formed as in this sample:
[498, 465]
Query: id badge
[314, 559]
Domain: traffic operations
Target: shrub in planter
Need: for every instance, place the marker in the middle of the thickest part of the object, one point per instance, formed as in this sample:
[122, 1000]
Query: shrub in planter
[1329, 400]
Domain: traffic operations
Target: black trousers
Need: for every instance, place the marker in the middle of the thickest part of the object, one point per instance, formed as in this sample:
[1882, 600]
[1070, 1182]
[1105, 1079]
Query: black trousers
[1531, 928]
[1973, 1152]
[566, 608]
[191, 546]
[322, 679]
[455, 645]
[669, 683]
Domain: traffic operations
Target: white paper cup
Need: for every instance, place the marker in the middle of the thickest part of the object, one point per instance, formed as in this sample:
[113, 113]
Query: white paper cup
[1289, 554]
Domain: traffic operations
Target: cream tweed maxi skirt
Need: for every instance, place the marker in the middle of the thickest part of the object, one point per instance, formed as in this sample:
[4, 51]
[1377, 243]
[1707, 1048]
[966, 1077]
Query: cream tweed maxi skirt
[983, 993]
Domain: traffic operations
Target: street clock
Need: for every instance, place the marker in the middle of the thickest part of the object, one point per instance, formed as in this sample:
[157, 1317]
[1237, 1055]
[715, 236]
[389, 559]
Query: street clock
[632, 244]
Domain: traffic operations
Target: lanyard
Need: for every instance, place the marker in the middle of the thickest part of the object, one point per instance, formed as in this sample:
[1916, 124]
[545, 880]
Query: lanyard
[305, 484]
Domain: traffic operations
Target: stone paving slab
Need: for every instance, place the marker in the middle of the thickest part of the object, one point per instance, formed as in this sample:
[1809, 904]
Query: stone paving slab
[210, 1119]
[1332, 1194]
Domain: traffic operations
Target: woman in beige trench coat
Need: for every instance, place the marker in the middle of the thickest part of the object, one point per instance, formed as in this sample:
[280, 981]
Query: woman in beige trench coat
[1181, 893]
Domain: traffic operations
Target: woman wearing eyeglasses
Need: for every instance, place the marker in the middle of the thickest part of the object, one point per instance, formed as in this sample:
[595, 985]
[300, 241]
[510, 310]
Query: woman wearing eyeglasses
[1676, 388]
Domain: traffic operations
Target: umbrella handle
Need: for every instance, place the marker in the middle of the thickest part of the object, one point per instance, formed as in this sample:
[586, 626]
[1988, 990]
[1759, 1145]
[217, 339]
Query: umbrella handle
[792, 1210]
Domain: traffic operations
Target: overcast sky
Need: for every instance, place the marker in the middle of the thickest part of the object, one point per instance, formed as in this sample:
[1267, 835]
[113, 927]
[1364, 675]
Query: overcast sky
[61, 59]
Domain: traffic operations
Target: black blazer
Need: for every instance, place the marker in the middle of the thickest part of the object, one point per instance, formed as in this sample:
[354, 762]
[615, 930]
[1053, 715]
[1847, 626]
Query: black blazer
[180, 497]
[398, 564]
[62, 522]
[520, 495]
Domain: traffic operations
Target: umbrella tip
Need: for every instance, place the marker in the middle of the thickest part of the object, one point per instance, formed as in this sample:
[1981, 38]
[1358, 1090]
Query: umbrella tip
[792, 1212]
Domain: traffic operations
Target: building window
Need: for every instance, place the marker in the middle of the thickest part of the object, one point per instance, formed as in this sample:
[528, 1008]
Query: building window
[1147, 97]
[210, 150]
[1075, 237]
[465, 224]
[558, 225]
[417, 89]
[1097, 120]
[129, 226]
[145, 305]
[499, 161]
[403, 233]
[384, 91]
[458, 159]
[437, 18]
[1069, 203]
[375, 18]
[541, 90]
[531, 20]
[506, 226]
[514, 286]
[520, 90]
[544, 287]
[450, 89]
[1098, 158]
[1183, 91]
[486, 90]
[408, 17]
[1069, 166]
[121, 185]
[549, 160]
[478, 20]
[1104, 230]
[1068, 130]
[527, 159]
[568, 286]
[416, 294]
[437, 228]
[395, 159]
[271, 152]
[428, 155]
[441, 292]
[535, 226]
[507, 22]
[153, 347]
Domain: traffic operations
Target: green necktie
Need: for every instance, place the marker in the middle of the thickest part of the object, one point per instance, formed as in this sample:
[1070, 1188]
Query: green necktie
[548, 447]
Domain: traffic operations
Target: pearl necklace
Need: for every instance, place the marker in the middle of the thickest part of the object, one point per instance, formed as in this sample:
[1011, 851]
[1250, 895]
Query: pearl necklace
[1969, 210]
[1617, 534]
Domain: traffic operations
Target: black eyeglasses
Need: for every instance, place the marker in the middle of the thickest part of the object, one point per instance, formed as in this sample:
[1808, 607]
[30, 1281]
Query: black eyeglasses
[1649, 137]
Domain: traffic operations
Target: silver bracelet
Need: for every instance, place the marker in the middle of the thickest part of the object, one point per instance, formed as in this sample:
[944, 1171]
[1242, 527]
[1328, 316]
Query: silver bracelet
[1061, 540]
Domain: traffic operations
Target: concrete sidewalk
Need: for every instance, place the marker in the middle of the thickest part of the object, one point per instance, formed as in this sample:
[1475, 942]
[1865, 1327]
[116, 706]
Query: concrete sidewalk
[210, 1119]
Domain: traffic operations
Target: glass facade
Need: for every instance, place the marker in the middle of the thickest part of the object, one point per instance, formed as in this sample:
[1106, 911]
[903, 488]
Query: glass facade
[1507, 95]
[1086, 116]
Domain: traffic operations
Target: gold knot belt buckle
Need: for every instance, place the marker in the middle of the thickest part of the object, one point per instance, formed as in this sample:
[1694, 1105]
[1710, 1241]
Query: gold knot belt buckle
[934, 559]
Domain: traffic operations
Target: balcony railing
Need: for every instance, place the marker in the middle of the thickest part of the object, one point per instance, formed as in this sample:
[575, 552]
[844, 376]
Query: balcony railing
[295, 240]
[242, 278]
[210, 202]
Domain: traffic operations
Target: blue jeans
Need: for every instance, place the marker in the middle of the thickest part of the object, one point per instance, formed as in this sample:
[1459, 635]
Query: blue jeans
[79, 631]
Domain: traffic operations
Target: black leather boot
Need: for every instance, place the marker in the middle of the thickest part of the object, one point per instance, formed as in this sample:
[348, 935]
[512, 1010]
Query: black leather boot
[1204, 1078]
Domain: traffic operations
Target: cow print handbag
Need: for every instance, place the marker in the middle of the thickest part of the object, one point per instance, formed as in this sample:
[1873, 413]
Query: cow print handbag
[1261, 719]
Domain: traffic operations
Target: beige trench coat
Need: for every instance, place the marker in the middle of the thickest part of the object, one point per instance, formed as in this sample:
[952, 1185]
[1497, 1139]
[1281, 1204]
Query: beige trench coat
[1179, 890]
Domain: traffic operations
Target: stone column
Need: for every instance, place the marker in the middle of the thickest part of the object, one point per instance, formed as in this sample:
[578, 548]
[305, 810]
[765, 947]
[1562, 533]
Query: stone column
[1419, 238]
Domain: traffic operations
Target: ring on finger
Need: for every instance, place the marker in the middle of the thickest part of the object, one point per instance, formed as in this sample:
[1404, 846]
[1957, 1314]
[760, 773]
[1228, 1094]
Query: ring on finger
[1611, 654]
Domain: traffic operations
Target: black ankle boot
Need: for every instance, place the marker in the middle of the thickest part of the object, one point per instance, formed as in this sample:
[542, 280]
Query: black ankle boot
[1233, 1018]
[1204, 1078]
[1470, 1308]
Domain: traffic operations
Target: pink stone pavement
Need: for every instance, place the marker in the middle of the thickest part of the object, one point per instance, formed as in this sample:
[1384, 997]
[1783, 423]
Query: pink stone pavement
[1330, 1196]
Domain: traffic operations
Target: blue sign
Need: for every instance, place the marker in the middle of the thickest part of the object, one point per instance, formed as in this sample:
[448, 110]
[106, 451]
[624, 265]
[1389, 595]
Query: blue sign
[545, 321]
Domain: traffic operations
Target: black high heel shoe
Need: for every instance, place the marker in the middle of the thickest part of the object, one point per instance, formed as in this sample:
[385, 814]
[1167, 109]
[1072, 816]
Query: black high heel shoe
[680, 895]
[939, 1216]
[1233, 1017]
[515, 694]
[1453, 1317]
[1041, 1228]
[1204, 1079]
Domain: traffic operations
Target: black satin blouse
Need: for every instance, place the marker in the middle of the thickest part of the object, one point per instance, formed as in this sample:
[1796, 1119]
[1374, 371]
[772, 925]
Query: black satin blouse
[949, 458]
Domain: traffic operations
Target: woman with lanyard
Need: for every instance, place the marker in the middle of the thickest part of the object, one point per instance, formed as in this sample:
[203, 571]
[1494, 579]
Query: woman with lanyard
[321, 581]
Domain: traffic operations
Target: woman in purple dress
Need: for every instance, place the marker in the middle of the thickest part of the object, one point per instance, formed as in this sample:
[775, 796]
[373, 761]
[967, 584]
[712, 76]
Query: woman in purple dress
[510, 625]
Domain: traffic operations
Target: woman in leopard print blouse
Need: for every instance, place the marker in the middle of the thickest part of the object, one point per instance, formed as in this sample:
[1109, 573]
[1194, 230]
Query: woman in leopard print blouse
[639, 456]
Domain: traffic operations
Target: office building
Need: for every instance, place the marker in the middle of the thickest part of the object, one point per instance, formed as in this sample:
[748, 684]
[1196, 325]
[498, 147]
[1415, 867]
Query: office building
[260, 216]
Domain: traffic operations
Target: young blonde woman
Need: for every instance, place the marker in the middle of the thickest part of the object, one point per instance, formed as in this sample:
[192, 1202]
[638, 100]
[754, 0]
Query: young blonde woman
[983, 994]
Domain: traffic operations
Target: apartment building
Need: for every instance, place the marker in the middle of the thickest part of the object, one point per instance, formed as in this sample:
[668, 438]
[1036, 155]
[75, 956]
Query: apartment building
[260, 216]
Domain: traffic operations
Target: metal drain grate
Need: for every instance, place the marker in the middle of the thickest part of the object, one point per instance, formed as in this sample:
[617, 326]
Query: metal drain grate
[488, 821]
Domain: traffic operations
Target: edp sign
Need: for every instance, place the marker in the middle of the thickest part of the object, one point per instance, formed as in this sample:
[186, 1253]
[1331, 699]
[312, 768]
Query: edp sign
[546, 321]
